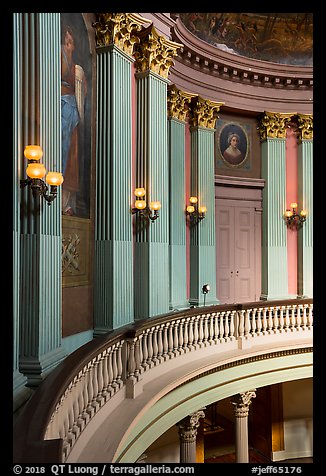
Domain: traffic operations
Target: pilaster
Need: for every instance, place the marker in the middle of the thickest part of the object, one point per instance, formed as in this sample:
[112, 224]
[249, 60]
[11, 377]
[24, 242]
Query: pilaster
[40, 252]
[153, 59]
[116, 34]
[272, 128]
[202, 235]
[178, 106]
[305, 194]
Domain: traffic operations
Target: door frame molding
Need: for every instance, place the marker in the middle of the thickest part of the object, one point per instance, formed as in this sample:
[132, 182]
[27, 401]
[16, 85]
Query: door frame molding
[248, 191]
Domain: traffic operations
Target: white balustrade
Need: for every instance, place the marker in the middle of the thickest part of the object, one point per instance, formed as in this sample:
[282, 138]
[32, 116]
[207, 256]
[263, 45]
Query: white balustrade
[106, 373]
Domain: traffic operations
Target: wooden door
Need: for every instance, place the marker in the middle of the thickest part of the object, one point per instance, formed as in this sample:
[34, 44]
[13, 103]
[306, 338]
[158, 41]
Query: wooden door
[235, 245]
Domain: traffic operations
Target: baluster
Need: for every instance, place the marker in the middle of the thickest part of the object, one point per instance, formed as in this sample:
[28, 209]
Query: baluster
[258, 323]
[185, 335]
[119, 363]
[155, 346]
[211, 328]
[165, 341]
[105, 392]
[270, 320]
[141, 356]
[150, 348]
[281, 328]
[145, 350]
[276, 320]
[206, 334]
[310, 316]
[75, 406]
[226, 327]
[200, 330]
[85, 414]
[95, 383]
[217, 318]
[175, 337]
[304, 317]
[191, 334]
[253, 322]
[160, 343]
[241, 323]
[264, 320]
[247, 323]
[115, 384]
[90, 391]
[298, 318]
[137, 357]
[131, 363]
[232, 315]
[111, 387]
[196, 332]
[292, 318]
[100, 381]
[180, 336]
[221, 327]
[287, 319]
[81, 403]
[170, 338]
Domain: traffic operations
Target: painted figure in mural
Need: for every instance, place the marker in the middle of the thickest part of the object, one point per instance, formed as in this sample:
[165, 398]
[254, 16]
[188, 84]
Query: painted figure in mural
[73, 92]
[232, 154]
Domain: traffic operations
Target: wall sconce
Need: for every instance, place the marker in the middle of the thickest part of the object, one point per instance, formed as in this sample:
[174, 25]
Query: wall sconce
[293, 219]
[205, 290]
[36, 171]
[194, 212]
[142, 209]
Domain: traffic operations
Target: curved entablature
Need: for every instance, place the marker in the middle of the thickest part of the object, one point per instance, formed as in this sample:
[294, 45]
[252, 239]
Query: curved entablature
[230, 78]
[63, 419]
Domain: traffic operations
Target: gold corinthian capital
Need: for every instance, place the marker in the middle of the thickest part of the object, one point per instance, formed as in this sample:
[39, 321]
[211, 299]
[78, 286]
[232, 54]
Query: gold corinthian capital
[154, 52]
[305, 126]
[204, 112]
[178, 102]
[273, 125]
[119, 29]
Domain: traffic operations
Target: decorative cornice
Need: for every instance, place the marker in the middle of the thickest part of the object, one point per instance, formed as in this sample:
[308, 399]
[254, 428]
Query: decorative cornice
[154, 52]
[273, 125]
[178, 102]
[204, 112]
[305, 125]
[198, 54]
[119, 29]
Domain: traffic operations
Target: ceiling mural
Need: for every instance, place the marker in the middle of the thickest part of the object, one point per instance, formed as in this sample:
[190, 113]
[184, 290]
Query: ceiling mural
[285, 38]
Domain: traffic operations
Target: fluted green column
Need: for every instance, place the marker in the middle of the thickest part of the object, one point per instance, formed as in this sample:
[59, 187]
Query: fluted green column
[177, 111]
[19, 379]
[113, 280]
[203, 235]
[153, 60]
[40, 286]
[152, 238]
[305, 193]
[274, 243]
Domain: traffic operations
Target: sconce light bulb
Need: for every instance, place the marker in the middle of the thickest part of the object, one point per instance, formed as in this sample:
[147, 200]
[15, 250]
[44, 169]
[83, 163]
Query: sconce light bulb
[155, 205]
[54, 178]
[193, 199]
[288, 213]
[140, 204]
[35, 170]
[140, 192]
[190, 209]
[206, 288]
[33, 152]
[293, 205]
[202, 209]
[303, 213]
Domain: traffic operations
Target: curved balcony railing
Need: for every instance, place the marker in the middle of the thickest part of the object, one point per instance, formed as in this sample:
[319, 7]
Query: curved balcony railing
[87, 379]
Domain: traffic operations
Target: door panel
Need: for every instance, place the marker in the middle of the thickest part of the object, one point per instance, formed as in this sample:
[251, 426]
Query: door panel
[235, 245]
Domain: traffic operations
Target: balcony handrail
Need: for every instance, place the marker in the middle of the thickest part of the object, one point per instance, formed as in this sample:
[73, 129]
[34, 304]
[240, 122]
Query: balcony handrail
[71, 395]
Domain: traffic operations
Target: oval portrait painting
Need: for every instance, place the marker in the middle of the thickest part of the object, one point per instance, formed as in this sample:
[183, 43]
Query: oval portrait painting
[233, 144]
